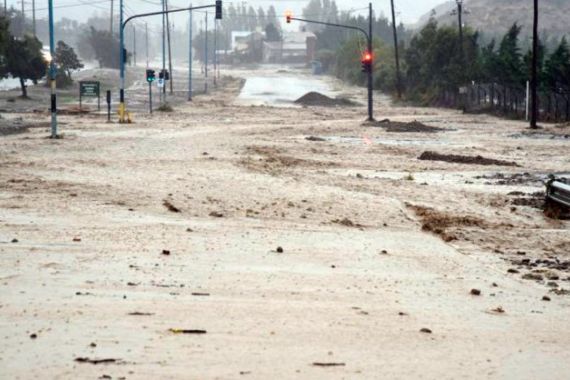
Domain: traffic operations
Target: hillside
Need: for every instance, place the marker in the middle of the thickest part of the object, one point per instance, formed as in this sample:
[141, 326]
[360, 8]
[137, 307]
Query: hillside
[494, 17]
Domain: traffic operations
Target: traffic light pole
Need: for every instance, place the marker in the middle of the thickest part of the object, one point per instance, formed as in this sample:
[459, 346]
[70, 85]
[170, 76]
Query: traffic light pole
[52, 73]
[190, 55]
[368, 36]
[150, 97]
[122, 106]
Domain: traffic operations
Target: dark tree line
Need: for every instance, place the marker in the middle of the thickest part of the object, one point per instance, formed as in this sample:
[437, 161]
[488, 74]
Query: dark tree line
[433, 64]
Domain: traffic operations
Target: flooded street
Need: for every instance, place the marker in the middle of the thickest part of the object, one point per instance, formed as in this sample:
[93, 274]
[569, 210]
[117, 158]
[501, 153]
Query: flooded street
[228, 240]
[280, 87]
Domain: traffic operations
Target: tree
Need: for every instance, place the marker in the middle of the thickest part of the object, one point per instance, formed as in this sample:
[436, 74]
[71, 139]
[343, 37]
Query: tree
[106, 48]
[272, 33]
[511, 69]
[557, 68]
[24, 60]
[4, 40]
[66, 59]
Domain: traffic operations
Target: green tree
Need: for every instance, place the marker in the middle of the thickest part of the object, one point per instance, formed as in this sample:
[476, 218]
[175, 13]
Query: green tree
[557, 68]
[510, 68]
[272, 33]
[4, 40]
[24, 60]
[66, 59]
[106, 48]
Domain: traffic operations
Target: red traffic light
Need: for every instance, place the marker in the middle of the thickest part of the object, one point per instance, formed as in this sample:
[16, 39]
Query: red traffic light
[367, 57]
[288, 16]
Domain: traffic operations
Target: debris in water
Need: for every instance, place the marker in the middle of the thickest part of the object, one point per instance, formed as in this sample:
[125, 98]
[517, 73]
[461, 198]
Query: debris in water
[165, 252]
[97, 361]
[329, 364]
[169, 206]
[314, 138]
[279, 249]
[454, 158]
[140, 313]
[425, 330]
[187, 331]
[475, 292]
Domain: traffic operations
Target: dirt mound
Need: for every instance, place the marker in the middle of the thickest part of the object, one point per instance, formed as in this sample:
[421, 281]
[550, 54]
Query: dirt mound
[401, 127]
[317, 99]
[454, 158]
[440, 223]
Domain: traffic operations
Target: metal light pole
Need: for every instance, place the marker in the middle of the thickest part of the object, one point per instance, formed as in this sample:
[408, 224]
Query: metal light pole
[163, 89]
[215, 50]
[534, 79]
[206, 56]
[398, 77]
[460, 22]
[190, 54]
[134, 46]
[111, 19]
[146, 41]
[122, 108]
[370, 79]
[170, 80]
[34, 17]
[52, 72]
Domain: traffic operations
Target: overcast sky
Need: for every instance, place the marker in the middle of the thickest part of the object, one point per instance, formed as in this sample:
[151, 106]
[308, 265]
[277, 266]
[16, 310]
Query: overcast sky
[408, 10]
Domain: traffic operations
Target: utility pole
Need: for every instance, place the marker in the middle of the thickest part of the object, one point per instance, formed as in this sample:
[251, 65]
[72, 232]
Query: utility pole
[371, 51]
[215, 50]
[52, 72]
[396, 48]
[111, 19]
[190, 54]
[134, 45]
[171, 80]
[146, 41]
[460, 22]
[34, 17]
[23, 19]
[534, 79]
[163, 90]
[206, 56]
[122, 108]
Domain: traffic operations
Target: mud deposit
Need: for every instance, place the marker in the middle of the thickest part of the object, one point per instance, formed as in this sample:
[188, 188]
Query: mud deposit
[318, 99]
[458, 159]
[401, 127]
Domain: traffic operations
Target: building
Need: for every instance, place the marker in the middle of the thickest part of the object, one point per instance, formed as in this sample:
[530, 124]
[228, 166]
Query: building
[296, 47]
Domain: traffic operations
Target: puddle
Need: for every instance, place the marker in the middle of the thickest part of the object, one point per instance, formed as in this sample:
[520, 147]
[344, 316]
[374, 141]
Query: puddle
[281, 89]
[384, 141]
[540, 136]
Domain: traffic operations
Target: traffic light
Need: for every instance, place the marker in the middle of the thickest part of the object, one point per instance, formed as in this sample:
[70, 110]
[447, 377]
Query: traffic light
[218, 9]
[366, 61]
[164, 74]
[288, 16]
[150, 76]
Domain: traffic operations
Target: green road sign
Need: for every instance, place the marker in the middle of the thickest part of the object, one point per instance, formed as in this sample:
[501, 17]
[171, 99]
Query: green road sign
[89, 89]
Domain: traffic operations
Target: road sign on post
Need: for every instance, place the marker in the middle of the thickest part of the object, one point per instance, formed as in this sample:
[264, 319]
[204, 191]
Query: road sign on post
[89, 89]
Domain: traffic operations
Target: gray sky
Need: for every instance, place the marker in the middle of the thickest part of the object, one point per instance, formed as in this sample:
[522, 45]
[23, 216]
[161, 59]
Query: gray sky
[408, 10]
